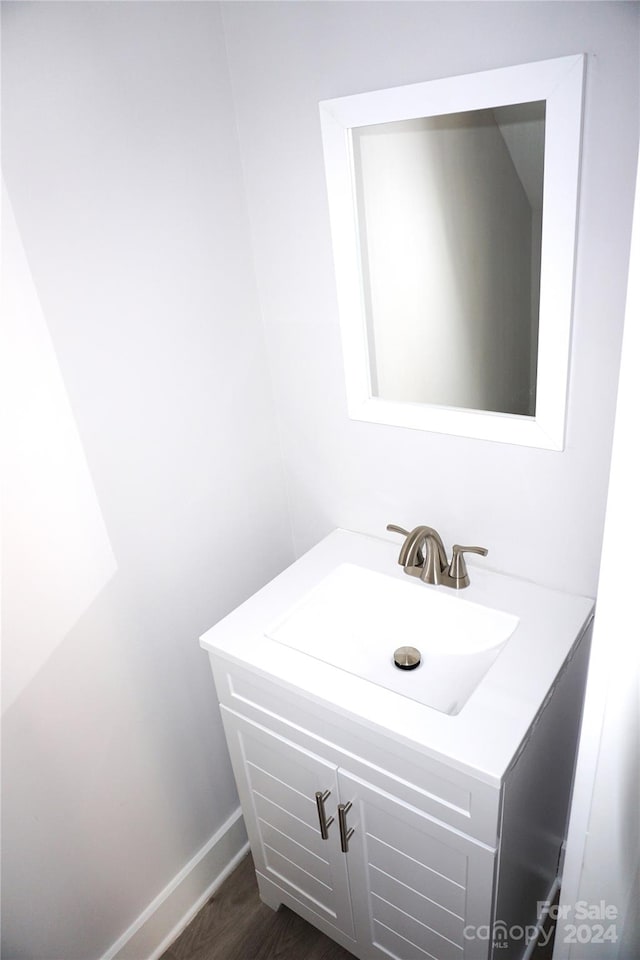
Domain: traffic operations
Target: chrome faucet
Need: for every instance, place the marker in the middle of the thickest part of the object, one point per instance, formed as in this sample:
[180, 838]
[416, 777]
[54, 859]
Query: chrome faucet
[432, 565]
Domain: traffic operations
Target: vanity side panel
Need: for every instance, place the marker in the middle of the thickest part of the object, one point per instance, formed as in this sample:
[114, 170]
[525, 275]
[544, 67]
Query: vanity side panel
[535, 810]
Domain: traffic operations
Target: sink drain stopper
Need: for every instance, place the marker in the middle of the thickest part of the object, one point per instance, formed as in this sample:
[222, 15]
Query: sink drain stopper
[406, 658]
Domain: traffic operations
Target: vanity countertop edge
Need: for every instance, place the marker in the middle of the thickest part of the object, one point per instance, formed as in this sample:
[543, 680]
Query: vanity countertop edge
[485, 736]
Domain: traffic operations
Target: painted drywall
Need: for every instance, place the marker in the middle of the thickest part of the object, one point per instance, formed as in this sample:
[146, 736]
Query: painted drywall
[540, 513]
[602, 868]
[136, 306]
[54, 532]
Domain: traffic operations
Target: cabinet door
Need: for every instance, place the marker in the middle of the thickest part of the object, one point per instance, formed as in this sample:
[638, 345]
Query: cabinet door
[277, 782]
[419, 889]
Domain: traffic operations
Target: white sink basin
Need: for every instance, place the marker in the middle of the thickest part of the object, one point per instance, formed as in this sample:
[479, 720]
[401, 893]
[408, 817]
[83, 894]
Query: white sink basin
[355, 619]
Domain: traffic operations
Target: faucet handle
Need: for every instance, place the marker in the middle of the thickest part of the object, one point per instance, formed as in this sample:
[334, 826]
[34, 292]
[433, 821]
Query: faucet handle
[458, 567]
[395, 529]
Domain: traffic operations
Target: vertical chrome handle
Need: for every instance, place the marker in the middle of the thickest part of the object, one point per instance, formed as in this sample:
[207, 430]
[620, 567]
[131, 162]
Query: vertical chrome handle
[345, 832]
[322, 816]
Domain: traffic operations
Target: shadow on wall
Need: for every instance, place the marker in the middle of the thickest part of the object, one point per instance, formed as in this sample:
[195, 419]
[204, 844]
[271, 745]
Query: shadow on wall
[53, 527]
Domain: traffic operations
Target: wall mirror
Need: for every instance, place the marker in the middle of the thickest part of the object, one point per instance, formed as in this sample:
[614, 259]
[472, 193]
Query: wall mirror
[453, 207]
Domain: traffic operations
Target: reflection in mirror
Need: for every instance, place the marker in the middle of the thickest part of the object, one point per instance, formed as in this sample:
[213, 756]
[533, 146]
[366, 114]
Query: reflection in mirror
[450, 225]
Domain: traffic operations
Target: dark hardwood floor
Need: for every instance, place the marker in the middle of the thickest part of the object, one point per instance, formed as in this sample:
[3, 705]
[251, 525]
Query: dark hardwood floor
[235, 925]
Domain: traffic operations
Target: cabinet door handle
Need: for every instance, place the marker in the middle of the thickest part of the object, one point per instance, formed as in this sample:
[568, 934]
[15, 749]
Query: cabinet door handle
[322, 816]
[345, 832]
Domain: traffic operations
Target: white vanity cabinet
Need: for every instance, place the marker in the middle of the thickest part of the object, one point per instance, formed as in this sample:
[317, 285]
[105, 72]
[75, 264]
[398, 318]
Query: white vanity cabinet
[415, 882]
[452, 826]
[407, 884]
[277, 781]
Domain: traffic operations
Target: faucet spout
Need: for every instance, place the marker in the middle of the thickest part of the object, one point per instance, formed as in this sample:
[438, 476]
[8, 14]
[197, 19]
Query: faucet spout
[430, 566]
[411, 552]
[436, 563]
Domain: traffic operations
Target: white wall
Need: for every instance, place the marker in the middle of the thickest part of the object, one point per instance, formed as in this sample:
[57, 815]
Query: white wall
[54, 531]
[603, 851]
[540, 513]
[144, 492]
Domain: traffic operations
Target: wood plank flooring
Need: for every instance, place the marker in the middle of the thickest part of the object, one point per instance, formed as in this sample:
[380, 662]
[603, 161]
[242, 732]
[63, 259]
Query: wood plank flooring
[236, 925]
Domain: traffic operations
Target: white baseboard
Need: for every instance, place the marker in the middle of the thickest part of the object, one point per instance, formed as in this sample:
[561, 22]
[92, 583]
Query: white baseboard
[168, 914]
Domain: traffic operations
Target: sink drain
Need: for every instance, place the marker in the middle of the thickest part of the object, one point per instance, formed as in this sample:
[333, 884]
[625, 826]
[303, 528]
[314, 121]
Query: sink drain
[406, 658]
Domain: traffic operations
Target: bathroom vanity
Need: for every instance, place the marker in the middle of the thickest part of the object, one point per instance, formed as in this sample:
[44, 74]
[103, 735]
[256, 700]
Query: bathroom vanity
[407, 814]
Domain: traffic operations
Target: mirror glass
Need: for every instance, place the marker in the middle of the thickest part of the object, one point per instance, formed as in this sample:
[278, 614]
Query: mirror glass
[453, 209]
[449, 213]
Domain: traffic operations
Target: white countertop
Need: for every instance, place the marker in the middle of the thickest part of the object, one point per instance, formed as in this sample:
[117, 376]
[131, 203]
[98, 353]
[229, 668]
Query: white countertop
[484, 737]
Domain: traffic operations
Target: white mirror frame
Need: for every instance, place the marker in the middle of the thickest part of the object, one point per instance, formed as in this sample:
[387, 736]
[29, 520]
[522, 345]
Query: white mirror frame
[560, 83]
